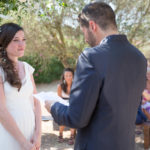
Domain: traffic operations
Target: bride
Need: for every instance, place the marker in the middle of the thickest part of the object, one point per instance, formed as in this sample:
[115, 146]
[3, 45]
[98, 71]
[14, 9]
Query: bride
[20, 113]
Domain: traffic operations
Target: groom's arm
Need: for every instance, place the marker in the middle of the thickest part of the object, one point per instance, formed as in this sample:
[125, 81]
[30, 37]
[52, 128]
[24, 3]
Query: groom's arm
[83, 98]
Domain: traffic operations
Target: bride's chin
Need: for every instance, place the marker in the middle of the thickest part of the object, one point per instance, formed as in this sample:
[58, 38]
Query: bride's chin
[21, 55]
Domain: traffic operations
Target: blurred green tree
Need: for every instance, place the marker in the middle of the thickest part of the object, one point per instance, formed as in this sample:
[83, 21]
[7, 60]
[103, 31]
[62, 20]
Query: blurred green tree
[52, 29]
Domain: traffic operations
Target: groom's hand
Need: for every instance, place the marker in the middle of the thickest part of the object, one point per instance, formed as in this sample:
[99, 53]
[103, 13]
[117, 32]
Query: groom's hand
[48, 105]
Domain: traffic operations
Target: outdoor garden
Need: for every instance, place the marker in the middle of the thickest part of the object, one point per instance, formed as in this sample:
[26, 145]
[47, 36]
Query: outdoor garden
[54, 41]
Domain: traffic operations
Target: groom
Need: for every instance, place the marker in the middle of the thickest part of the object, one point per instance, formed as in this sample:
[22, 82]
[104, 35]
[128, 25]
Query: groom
[107, 87]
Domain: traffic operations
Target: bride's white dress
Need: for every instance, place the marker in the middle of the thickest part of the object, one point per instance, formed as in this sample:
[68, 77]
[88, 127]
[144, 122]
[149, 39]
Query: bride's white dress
[20, 105]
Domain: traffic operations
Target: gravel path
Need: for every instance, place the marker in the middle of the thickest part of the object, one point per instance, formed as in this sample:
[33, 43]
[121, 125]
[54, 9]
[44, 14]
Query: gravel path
[49, 135]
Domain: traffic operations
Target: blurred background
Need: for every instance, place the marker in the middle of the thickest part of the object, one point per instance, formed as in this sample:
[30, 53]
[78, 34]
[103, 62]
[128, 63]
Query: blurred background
[54, 39]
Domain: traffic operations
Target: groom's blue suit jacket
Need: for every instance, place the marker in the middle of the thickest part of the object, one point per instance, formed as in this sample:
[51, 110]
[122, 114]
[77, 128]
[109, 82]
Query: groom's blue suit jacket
[105, 96]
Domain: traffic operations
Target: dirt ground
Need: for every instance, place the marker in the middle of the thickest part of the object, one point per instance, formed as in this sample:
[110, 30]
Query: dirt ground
[49, 129]
[49, 135]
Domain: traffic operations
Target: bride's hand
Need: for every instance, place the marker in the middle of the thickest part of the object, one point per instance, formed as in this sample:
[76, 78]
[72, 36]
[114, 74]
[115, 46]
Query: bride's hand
[36, 140]
[28, 146]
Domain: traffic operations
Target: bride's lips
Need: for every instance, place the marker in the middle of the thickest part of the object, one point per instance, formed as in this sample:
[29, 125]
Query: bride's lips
[20, 49]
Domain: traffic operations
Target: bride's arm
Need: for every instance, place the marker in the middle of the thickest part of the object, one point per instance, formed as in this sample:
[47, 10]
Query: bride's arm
[37, 110]
[9, 123]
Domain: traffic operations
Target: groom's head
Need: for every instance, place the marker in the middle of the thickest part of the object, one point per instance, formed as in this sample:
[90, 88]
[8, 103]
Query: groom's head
[96, 19]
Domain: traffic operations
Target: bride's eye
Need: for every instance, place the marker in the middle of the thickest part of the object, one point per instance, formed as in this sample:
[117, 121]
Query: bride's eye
[15, 40]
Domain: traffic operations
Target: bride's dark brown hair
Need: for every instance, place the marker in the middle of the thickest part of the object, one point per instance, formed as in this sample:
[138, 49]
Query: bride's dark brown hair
[7, 33]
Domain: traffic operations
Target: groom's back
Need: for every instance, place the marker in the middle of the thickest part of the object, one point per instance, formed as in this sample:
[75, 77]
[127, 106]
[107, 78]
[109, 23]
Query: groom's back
[122, 69]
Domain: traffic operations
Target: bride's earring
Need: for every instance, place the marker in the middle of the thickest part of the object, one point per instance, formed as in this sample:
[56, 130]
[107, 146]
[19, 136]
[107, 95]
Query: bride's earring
[64, 81]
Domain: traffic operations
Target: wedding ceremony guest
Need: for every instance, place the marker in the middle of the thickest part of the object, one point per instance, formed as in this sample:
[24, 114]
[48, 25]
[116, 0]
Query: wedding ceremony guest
[20, 113]
[63, 90]
[141, 117]
[146, 97]
[108, 83]
[143, 114]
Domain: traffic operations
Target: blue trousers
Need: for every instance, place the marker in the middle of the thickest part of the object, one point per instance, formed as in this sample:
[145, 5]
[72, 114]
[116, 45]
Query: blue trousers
[140, 118]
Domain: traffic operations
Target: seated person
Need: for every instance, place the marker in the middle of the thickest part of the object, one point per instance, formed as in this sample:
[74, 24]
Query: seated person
[146, 99]
[63, 90]
[143, 114]
[144, 109]
[141, 117]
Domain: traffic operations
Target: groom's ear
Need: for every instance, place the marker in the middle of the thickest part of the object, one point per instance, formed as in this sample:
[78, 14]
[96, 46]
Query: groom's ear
[93, 25]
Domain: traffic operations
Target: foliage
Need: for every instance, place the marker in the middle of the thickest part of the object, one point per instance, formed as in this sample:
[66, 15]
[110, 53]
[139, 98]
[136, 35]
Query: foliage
[62, 3]
[62, 23]
[7, 5]
[46, 70]
[47, 31]
[52, 29]
[133, 18]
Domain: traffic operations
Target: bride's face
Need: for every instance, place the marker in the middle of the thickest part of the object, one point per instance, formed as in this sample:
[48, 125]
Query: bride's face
[17, 45]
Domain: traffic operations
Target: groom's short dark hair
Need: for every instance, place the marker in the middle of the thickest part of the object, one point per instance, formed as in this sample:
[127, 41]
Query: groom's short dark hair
[100, 12]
